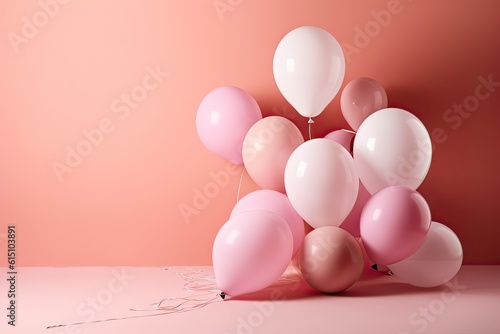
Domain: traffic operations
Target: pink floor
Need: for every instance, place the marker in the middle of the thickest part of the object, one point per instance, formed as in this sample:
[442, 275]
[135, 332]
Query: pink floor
[380, 304]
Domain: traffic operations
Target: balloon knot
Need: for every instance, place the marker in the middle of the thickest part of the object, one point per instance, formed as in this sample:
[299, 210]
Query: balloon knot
[310, 121]
[222, 295]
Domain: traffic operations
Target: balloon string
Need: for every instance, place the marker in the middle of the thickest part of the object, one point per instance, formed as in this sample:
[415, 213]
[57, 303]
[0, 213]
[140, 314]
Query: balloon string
[239, 185]
[196, 280]
[169, 310]
[309, 125]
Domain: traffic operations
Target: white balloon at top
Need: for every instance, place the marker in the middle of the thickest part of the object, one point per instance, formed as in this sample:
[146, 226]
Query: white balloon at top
[309, 67]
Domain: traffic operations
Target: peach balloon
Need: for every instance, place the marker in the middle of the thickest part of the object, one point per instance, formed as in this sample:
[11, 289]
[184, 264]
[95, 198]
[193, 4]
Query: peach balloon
[330, 259]
[360, 98]
[266, 149]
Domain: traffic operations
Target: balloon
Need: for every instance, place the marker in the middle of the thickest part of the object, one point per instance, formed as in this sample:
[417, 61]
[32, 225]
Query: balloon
[343, 137]
[330, 259]
[360, 98]
[223, 119]
[394, 224]
[392, 147]
[266, 149]
[277, 203]
[436, 262]
[251, 251]
[309, 68]
[351, 223]
[321, 182]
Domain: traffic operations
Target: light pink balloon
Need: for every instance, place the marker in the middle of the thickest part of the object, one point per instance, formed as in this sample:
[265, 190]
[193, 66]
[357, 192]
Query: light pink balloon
[360, 98]
[343, 137]
[275, 202]
[436, 262]
[321, 182]
[330, 259]
[251, 251]
[266, 149]
[352, 222]
[394, 224]
[223, 119]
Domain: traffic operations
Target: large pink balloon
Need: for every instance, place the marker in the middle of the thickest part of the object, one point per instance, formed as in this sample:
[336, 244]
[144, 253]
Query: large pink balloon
[360, 98]
[223, 119]
[436, 262]
[392, 147]
[321, 182]
[251, 251]
[394, 224]
[275, 202]
[309, 68]
[330, 259]
[266, 149]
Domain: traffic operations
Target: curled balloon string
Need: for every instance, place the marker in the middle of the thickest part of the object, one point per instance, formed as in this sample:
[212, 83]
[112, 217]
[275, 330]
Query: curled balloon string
[195, 280]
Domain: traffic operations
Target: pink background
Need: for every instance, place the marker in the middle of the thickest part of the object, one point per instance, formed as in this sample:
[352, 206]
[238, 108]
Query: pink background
[121, 204]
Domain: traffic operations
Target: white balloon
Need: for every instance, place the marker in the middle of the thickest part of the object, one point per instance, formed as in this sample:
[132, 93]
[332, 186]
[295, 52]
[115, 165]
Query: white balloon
[436, 262]
[321, 182]
[392, 147]
[309, 68]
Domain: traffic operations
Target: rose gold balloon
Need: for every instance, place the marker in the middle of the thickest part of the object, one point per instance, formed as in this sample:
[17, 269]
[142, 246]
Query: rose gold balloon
[330, 259]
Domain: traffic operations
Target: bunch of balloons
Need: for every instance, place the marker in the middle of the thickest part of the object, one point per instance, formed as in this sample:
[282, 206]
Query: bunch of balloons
[356, 189]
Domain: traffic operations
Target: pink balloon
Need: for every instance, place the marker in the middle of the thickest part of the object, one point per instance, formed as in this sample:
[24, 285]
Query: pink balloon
[330, 259]
[275, 202]
[251, 251]
[352, 222]
[394, 224]
[266, 149]
[343, 137]
[321, 182]
[436, 262]
[223, 119]
[360, 98]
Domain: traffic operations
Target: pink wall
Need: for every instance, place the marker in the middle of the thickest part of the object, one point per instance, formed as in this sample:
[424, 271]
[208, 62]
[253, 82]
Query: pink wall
[120, 204]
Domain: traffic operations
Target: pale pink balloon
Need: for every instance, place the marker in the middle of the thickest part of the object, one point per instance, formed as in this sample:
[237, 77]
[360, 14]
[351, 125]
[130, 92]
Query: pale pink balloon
[352, 222]
[394, 224]
[266, 149]
[330, 259]
[251, 251]
[343, 137]
[223, 119]
[360, 98]
[321, 182]
[275, 202]
[436, 262]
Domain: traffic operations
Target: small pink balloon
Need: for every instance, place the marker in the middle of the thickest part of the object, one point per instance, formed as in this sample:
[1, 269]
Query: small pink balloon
[394, 224]
[251, 251]
[223, 119]
[360, 98]
[436, 262]
[343, 137]
[266, 149]
[330, 259]
[275, 202]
